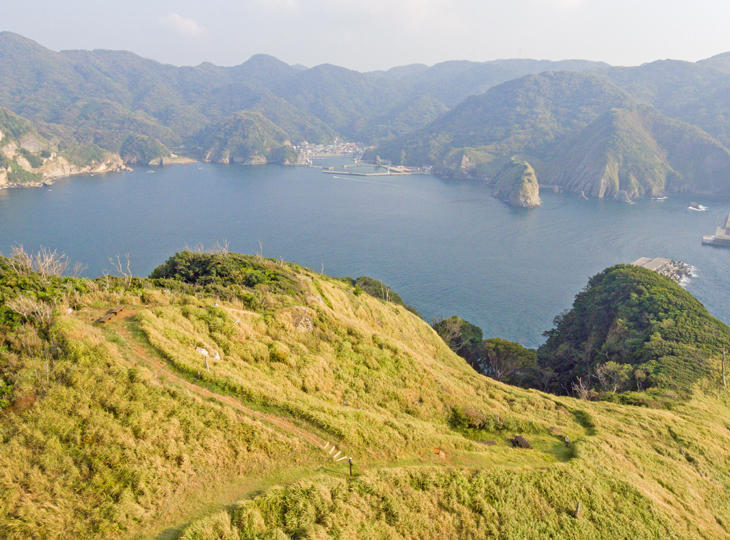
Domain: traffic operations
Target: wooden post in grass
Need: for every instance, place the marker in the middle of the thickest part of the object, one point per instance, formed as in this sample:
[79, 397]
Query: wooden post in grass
[576, 513]
[349, 461]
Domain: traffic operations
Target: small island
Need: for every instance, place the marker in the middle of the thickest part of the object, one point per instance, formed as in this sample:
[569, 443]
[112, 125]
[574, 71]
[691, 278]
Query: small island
[516, 184]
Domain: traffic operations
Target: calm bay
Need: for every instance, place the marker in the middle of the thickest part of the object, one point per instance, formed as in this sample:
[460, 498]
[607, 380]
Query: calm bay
[446, 246]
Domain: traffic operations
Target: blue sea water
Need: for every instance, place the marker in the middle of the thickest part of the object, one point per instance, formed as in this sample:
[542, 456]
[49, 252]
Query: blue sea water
[447, 247]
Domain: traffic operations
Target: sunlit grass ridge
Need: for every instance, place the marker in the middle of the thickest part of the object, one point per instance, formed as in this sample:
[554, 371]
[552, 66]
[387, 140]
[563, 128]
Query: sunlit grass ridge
[129, 428]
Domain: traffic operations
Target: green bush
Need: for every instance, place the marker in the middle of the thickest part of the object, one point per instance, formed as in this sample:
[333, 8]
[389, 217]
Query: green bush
[221, 269]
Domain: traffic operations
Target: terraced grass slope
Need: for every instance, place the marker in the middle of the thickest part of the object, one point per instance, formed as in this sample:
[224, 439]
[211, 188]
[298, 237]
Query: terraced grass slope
[209, 406]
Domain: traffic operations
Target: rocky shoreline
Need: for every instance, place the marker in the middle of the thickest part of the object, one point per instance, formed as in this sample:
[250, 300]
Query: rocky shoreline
[677, 271]
[61, 168]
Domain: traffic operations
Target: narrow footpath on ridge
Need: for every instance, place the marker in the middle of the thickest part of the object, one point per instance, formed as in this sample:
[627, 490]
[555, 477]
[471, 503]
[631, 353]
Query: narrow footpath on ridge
[144, 352]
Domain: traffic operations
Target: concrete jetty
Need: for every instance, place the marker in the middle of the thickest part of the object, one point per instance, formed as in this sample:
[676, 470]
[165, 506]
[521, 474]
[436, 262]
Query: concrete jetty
[676, 270]
[378, 170]
[721, 238]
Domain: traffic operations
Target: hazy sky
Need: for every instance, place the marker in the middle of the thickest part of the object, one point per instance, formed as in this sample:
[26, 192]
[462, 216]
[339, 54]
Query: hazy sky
[377, 34]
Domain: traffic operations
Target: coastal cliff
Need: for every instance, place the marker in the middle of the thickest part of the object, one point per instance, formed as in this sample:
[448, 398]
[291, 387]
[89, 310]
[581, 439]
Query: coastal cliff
[17, 170]
[32, 157]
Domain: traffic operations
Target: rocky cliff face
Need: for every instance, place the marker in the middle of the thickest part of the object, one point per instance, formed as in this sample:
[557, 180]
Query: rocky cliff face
[517, 185]
[31, 157]
[634, 152]
[60, 167]
[21, 168]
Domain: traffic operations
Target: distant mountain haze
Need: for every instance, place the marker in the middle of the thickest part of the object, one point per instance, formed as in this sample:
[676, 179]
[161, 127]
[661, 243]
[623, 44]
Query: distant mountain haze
[581, 126]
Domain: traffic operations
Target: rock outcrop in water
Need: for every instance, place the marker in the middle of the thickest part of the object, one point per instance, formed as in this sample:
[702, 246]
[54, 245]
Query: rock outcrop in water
[517, 185]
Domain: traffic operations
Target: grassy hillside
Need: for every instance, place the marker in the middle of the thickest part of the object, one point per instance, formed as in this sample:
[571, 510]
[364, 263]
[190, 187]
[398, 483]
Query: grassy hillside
[125, 428]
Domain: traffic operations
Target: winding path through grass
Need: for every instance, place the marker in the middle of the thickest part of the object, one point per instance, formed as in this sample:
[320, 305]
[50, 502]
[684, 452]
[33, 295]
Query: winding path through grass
[161, 368]
[134, 345]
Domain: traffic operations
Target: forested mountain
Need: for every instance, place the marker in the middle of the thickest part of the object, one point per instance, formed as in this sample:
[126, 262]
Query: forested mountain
[581, 132]
[582, 126]
[632, 152]
[525, 115]
[32, 153]
[245, 137]
[453, 81]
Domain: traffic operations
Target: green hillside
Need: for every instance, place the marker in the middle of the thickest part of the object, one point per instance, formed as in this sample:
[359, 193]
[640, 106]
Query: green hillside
[30, 153]
[126, 429]
[629, 153]
[579, 132]
[453, 81]
[245, 137]
[526, 116]
[402, 118]
[632, 336]
[632, 329]
[695, 93]
[124, 108]
[109, 98]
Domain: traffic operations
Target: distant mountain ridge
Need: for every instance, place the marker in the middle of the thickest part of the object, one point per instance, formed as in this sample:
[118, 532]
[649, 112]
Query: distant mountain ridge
[465, 118]
[581, 132]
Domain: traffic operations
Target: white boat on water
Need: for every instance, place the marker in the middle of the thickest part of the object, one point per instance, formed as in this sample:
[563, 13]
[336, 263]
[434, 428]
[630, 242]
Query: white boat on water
[662, 198]
[697, 207]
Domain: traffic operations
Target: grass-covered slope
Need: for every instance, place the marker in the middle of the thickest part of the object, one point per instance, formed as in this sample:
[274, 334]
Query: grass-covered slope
[127, 429]
[633, 329]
